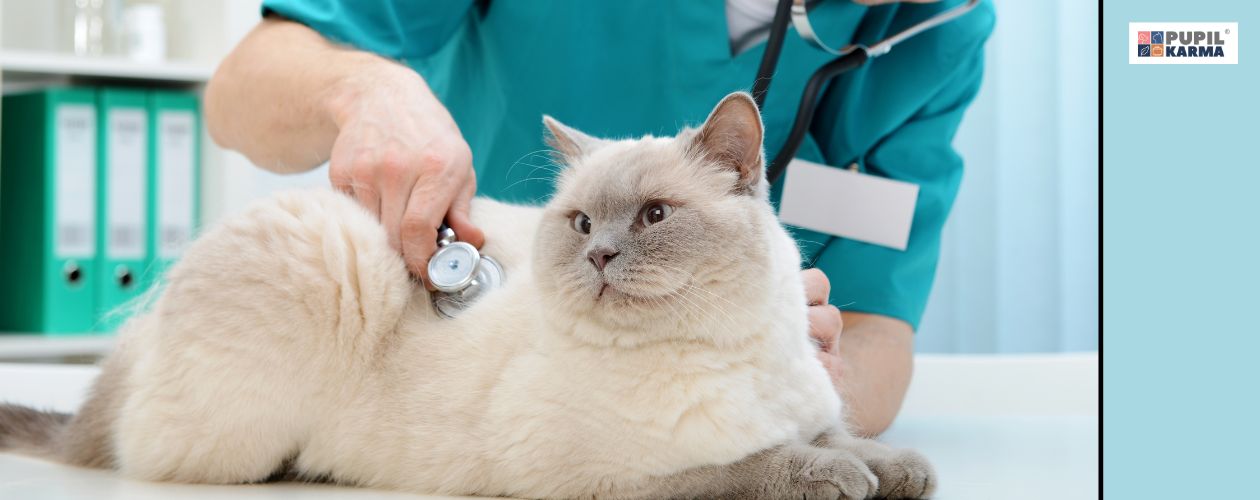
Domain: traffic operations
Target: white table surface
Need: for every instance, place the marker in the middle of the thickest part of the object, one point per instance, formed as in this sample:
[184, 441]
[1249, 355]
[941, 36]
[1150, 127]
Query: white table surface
[1030, 452]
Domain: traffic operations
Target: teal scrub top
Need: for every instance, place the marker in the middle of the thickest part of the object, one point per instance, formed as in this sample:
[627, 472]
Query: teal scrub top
[632, 67]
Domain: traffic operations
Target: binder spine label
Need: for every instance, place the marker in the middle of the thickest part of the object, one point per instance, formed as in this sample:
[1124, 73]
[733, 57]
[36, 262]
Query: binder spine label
[126, 188]
[75, 176]
[176, 158]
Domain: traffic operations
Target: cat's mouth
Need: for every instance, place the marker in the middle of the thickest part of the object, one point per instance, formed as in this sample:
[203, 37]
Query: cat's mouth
[608, 292]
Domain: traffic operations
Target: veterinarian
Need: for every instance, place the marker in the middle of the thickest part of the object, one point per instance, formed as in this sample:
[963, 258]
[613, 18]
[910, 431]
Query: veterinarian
[418, 105]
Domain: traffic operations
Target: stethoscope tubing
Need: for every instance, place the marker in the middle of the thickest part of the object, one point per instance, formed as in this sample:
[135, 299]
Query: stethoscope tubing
[848, 58]
[805, 110]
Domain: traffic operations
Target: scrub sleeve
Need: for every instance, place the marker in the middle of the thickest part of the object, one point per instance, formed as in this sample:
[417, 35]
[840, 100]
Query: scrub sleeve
[411, 29]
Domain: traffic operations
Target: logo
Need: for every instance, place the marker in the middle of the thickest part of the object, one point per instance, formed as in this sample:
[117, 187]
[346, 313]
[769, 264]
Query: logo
[1183, 43]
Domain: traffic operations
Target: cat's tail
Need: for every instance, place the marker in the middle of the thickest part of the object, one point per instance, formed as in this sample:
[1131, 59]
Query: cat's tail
[30, 431]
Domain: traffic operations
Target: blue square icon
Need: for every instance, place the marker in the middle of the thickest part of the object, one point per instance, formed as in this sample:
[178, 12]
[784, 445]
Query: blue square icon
[1144, 50]
[1157, 37]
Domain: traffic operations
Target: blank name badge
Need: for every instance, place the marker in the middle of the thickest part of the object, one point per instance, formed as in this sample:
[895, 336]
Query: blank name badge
[848, 204]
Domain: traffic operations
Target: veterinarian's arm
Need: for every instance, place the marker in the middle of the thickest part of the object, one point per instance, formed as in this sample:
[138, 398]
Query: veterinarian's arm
[290, 100]
[869, 357]
[875, 363]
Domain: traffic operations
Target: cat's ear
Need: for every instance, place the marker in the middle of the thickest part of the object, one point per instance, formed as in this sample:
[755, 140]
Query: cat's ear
[731, 137]
[569, 142]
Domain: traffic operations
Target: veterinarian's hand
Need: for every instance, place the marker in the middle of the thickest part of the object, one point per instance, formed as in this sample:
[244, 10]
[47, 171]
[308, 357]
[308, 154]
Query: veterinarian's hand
[825, 323]
[400, 154]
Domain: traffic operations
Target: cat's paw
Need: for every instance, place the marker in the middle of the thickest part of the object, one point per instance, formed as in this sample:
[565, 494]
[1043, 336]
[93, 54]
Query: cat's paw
[903, 474]
[833, 475]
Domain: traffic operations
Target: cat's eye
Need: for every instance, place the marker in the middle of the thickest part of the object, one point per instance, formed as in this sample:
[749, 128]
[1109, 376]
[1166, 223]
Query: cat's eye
[656, 212]
[581, 223]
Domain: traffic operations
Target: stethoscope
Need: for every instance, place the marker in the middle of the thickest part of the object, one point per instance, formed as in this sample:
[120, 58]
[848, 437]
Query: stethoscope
[849, 58]
[461, 274]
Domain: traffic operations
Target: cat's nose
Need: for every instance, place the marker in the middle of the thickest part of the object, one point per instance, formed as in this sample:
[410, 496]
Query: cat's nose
[599, 256]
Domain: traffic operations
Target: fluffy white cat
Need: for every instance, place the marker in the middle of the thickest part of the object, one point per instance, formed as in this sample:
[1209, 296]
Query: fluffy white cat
[650, 341]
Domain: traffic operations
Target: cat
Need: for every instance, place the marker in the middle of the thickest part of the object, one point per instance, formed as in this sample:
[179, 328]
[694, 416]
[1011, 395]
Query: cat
[651, 343]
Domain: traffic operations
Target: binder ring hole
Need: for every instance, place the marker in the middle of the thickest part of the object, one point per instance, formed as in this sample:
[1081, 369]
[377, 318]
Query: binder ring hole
[73, 273]
[124, 277]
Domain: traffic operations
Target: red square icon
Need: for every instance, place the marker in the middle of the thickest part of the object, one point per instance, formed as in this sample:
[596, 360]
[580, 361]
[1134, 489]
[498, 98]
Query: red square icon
[1144, 37]
[1157, 50]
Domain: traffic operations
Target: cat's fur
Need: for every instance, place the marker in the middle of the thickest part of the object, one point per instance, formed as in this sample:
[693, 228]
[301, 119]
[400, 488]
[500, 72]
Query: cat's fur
[292, 335]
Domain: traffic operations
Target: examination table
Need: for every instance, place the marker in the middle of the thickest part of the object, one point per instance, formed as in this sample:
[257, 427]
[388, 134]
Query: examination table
[996, 427]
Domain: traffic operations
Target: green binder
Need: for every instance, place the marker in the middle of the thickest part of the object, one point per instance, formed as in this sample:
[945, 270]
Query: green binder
[48, 212]
[175, 158]
[122, 201]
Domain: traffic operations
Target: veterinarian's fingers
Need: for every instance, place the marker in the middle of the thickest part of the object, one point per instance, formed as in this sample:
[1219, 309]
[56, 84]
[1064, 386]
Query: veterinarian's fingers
[367, 197]
[832, 364]
[817, 286]
[824, 326]
[419, 238]
[395, 191]
[458, 216]
[835, 345]
[425, 211]
[339, 179]
[342, 177]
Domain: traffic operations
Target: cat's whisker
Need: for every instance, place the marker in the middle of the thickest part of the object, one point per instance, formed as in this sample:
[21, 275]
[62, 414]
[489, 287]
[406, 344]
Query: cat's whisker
[549, 165]
[691, 278]
[659, 301]
[720, 307]
[552, 172]
[674, 310]
[550, 168]
[719, 311]
[707, 319]
[717, 297]
[714, 315]
[527, 179]
[507, 174]
[706, 315]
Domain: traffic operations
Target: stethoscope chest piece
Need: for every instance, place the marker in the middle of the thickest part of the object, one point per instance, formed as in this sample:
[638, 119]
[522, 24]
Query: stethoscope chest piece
[460, 274]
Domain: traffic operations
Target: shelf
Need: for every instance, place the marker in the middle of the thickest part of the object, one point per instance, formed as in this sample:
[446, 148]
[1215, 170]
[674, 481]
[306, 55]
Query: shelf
[27, 346]
[22, 63]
